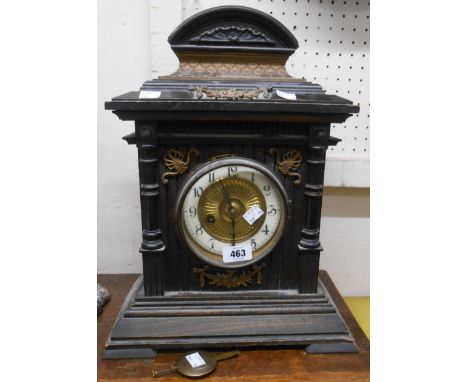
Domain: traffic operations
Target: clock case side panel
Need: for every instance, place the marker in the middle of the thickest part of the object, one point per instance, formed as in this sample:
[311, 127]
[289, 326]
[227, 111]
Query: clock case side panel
[287, 268]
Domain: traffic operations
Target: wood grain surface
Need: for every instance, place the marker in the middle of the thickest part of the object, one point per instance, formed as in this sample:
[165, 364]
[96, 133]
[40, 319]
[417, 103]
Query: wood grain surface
[269, 364]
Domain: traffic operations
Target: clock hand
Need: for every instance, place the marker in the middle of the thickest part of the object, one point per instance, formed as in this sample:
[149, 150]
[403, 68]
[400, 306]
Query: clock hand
[233, 222]
[227, 197]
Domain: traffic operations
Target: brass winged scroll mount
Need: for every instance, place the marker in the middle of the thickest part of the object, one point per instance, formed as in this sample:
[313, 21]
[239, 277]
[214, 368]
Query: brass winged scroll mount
[290, 162]
[230, 279]
[174, 161]
[203, 92]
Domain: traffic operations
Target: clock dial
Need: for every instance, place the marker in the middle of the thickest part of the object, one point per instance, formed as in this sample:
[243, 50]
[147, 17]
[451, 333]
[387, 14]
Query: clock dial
[231, 202]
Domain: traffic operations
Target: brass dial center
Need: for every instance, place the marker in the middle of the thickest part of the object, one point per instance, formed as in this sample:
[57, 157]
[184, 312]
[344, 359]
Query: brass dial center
[232, 210]
[223, 204]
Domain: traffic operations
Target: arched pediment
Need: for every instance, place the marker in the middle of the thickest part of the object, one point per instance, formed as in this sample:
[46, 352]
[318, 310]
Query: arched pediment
[233, 29]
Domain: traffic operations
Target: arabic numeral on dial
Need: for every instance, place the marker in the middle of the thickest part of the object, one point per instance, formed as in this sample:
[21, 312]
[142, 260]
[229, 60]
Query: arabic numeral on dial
[266, 230]
[273, 210]
[211, 177]
[212, 243]
[238, 253]
[253, 243]
[198, 230]
[267, 189]
[193, 211]
[232, 171]
[197, 191]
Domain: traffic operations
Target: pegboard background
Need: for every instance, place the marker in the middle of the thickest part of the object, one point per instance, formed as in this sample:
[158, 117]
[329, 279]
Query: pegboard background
[333, 51]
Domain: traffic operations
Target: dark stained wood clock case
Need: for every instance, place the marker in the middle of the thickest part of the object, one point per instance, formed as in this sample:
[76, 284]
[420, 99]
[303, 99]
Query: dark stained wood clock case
[231, 97]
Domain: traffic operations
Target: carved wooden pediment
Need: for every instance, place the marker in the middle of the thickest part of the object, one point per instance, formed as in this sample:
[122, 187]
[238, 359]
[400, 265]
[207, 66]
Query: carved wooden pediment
[233, 34]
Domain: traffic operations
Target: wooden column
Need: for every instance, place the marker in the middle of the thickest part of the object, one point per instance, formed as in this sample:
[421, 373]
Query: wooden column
[152, 246]
[309, 246]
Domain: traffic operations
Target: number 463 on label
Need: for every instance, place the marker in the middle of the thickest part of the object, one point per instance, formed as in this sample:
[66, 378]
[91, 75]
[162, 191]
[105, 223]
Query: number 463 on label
[237, 253]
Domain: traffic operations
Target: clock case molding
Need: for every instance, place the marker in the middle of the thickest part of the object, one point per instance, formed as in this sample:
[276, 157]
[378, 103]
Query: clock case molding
[223, 100]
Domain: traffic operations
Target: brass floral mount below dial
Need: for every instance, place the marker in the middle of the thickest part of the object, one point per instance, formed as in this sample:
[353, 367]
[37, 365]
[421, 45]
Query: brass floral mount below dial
[230, 279]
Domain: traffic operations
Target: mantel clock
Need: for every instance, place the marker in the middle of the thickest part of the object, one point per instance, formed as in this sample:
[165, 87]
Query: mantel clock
[231, 153]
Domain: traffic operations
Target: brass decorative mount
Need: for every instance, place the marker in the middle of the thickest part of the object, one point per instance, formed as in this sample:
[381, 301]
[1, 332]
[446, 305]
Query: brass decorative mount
[230, 279]
[290, 162]
[200, 92]
[174, 160]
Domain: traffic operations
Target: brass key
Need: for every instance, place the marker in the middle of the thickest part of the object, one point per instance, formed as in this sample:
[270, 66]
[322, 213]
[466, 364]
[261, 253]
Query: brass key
[183, 366]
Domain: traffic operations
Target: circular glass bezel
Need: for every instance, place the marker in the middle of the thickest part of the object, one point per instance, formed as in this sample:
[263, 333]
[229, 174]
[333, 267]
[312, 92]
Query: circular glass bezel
[199, 172]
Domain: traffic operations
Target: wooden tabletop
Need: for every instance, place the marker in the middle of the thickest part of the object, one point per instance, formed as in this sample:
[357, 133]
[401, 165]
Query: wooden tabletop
[273, 365]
